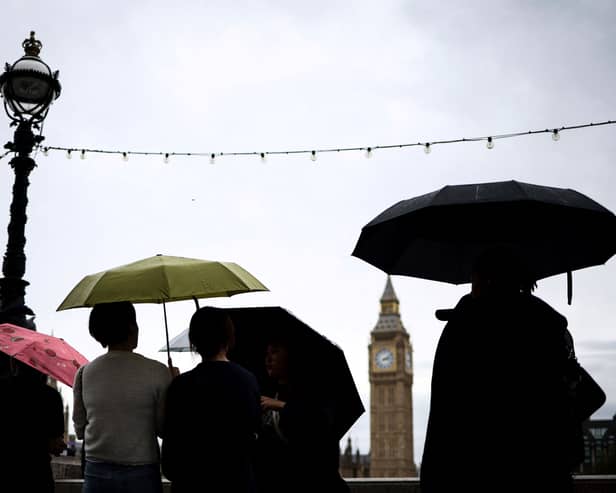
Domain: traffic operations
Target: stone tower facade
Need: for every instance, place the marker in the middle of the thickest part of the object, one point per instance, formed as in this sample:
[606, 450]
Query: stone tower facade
[391, 397]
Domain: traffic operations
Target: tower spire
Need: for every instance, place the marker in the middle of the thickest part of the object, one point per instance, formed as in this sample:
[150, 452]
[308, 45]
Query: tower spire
[390, 305]
[389, 318]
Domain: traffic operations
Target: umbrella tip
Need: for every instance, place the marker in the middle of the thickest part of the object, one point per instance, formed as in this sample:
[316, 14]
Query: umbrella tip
[443, 314]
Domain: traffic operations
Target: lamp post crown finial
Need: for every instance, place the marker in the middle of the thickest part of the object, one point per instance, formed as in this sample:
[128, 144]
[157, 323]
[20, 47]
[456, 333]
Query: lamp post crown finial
[32, 46]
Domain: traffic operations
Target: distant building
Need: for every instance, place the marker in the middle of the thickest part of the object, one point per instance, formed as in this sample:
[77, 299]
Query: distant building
[391, 396]
[391, 399]
[354, 465]
[599, 446]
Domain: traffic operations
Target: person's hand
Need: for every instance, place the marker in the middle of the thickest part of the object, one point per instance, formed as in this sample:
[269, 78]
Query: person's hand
[56, 445]
[268, 403]
[175, 371]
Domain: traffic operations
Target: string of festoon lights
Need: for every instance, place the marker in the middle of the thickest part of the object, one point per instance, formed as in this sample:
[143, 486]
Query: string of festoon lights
[313, 153]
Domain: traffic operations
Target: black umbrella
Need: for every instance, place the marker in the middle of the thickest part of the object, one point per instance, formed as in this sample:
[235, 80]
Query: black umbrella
[320, 367]
[439, 235]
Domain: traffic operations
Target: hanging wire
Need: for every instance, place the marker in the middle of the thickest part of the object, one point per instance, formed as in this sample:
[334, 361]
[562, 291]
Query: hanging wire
[427, 145]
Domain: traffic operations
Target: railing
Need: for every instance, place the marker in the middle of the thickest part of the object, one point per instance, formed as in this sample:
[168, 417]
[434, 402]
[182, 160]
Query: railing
[583, 484]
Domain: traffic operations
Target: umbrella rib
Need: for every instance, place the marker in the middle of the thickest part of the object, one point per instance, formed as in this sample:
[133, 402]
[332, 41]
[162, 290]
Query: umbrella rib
[165, 275]
[235, 275]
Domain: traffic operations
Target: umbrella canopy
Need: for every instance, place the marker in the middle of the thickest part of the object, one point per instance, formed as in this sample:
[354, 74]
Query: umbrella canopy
[160, 279]
[438, 236]
[318, 363]
[49, 355]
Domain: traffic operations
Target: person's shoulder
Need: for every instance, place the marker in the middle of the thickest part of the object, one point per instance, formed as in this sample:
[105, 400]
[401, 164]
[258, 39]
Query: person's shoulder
[81, 369]
[50, 393]
[155, 368]
[92, 365]
[457, 315]
[186, 380]
[153, 363]
[464, 302]
[242, 372]
[157, 364]
[101, 358]
[544, 311]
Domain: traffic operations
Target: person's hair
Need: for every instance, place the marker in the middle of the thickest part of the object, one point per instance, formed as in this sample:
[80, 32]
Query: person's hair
[12, 368]
[5, 365]
[504, 269]
[211, 330]
[279, 336]
[112, 323]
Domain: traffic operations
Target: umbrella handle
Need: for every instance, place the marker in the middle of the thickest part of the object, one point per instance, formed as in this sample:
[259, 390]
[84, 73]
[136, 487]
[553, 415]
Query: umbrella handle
[169, 362]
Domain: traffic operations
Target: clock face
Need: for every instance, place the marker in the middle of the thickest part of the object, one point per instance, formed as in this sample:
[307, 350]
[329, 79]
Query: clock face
[384, 358]
[407, 359]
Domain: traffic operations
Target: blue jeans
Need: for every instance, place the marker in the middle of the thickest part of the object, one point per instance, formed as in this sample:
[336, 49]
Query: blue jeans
[101, 477]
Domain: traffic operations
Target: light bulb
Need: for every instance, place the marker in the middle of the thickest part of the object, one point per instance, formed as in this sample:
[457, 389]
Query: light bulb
[212, 158]
[490, 144]
[555, 135]
[369, 152]
[166, 158]
[124, 156]
[427, 148]
[45, 151]
[313, 155]
[82, 154]
[263, 157]
[68, 154]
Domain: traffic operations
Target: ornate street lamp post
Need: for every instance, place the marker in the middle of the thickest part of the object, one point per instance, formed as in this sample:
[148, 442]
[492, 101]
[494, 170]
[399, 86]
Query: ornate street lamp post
[28, 88]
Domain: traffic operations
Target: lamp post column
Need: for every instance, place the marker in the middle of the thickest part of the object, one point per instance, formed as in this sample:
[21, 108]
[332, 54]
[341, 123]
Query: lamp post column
[28, 87]
[12, 285]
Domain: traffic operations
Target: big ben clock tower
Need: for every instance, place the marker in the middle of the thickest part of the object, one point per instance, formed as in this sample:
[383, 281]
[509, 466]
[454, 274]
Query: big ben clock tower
[391, 398]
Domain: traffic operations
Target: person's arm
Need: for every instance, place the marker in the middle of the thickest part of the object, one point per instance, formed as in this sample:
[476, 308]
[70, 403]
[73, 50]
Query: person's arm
[256, 417]
[79, 410]
[160, 398]
[55, 423]
[173, 434]
[269, 403]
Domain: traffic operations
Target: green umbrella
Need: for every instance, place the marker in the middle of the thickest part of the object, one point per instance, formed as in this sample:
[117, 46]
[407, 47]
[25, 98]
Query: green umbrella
[160, 279]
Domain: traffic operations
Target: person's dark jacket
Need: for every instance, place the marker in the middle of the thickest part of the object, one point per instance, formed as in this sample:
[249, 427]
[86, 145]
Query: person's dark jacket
[32, 415]
[499, 419]
[307, 456]
[211, 422]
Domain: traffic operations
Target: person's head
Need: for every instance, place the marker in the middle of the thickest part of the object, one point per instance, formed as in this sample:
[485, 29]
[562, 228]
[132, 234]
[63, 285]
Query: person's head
[277, 358]
[500, 270]
[11, 368]
[113, 324]
[211, 332]
[5, 365]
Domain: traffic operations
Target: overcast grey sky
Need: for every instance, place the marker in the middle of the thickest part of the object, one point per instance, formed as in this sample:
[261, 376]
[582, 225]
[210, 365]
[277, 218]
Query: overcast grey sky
[257, 76]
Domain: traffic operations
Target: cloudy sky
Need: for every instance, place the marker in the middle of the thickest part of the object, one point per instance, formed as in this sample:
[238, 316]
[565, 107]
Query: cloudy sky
[272, 75]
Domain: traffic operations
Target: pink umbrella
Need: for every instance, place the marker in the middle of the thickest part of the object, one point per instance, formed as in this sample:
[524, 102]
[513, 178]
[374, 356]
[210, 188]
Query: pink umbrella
[49, 355]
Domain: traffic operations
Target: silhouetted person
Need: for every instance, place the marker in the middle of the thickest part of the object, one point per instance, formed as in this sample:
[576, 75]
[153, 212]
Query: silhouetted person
[298, 450]
[119, 401]
[499, 415]
[213, 415]
[32, 418]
